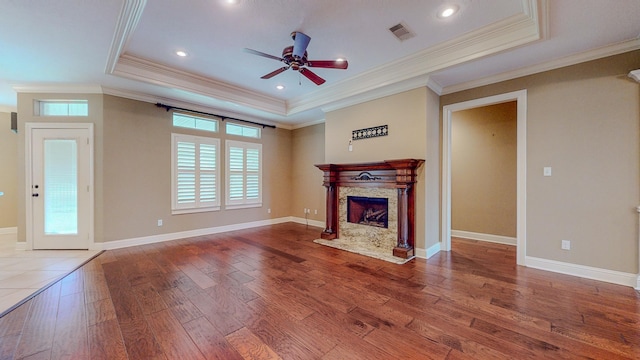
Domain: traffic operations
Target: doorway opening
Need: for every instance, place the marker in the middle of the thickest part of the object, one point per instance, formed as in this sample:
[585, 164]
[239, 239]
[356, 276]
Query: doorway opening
[520, 97]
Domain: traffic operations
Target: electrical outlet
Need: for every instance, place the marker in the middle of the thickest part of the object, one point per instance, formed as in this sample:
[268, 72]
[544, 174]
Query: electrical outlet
[269, 211]
[315, 212]
[159, 222]
[566, 245]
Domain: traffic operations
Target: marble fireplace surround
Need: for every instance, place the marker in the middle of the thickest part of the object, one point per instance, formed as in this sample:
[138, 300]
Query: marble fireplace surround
[391, 179]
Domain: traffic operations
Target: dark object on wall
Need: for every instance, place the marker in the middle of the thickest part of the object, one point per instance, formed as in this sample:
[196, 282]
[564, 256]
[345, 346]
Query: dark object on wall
[382, 130]
[14, 122]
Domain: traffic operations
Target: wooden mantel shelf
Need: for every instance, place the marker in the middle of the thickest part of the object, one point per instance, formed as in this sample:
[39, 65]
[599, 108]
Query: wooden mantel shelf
[395, 174]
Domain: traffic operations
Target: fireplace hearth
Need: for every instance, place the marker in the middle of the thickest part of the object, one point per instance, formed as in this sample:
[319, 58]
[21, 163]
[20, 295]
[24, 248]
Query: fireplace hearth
[368, 211]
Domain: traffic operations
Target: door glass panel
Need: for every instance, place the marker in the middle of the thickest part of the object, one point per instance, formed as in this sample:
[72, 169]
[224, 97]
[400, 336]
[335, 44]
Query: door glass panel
[60, 187]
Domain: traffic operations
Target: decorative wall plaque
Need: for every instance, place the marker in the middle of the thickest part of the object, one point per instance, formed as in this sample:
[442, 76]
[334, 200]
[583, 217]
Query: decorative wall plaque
[382, 130]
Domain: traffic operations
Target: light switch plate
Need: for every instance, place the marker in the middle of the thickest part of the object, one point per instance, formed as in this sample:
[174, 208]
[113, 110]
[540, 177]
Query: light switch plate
[546, 171]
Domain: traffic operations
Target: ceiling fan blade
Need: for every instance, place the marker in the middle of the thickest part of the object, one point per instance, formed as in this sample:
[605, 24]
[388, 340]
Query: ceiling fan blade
[256, 52]
[312, 76]
[300, 44]
[274, 73]
[329, 64]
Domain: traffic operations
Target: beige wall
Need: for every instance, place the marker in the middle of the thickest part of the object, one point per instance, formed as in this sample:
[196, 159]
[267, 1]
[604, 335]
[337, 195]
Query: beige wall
[8, 173]
[308, 150]
[406, 115]
[483, 170]
[133, 170]
[584, 122]
[137, 163]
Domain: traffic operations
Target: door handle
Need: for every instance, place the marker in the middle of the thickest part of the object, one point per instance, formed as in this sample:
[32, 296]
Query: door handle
[35, 195]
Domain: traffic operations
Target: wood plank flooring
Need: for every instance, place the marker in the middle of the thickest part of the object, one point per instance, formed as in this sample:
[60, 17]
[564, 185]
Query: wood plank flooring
[271, 293]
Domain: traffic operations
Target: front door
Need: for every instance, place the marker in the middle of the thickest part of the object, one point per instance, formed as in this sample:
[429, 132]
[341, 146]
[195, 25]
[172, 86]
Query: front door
[61, 189]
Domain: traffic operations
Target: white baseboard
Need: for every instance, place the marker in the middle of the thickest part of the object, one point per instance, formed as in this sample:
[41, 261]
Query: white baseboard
[118, 244]
[303, 221]
[9, 231]
[9, 235]
[507, 240]
[588, 272]
[433, 249]
[427, 253]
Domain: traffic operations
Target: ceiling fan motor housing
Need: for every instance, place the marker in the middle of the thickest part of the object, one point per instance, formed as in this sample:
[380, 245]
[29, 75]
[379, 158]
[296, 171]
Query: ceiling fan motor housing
[295, 57]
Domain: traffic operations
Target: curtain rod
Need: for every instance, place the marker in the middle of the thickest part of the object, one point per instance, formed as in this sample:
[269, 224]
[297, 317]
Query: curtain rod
[223, 118]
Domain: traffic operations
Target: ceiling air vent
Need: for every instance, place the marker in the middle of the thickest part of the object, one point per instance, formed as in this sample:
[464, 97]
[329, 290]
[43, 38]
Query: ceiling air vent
[401, 32]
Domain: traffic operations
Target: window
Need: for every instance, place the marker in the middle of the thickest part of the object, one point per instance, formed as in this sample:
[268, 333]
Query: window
[244, 174]
[243, 130]
[195, 122]
[195, 174]
[61, 108]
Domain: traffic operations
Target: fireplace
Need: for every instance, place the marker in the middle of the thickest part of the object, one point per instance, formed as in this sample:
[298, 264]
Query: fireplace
[390, 179]
[368, 211]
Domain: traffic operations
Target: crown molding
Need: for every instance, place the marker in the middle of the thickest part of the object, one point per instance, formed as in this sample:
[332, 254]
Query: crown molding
[508, 33]
[130, 15]
[594, 54]
[58, 89]
[310, 123]
[144, 97]
[135, 68]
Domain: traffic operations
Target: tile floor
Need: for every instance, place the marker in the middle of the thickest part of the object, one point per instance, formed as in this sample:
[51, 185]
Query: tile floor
[22, 273]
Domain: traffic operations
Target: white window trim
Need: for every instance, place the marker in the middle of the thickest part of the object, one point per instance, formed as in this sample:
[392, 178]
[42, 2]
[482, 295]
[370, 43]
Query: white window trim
[244, 203]
[197, 208]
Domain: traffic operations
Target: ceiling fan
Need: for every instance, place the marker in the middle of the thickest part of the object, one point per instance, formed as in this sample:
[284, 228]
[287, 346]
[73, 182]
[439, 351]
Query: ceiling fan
[295, 57]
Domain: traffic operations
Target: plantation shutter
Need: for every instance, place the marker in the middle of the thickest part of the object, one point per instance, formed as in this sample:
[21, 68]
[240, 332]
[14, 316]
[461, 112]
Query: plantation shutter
[208, 174]
[244, 174]
[195, 185]
[186, 181]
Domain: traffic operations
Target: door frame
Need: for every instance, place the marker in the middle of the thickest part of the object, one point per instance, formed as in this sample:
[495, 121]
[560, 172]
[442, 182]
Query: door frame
[29, 127]
[520, 97]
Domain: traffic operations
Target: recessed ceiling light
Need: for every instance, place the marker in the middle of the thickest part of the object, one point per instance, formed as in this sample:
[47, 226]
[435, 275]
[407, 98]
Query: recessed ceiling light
[181, 53]
[448, 11]
[232, 2]
[280, 87]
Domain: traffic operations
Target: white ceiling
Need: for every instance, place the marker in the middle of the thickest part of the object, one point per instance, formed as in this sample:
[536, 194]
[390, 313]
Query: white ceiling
[127, 48]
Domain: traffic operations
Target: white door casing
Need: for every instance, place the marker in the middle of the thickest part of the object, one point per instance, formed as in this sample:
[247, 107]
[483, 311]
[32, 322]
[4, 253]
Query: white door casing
[447, 111]
[59, 212]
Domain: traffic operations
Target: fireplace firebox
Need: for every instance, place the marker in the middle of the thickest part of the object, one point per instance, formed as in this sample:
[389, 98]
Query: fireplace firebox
[369, 211]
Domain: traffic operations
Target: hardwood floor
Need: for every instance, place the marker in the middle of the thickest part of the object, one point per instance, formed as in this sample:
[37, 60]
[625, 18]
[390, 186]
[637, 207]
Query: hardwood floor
[271, 293]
